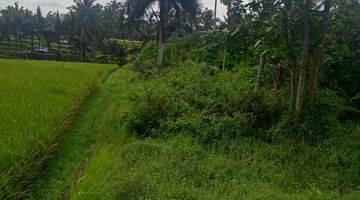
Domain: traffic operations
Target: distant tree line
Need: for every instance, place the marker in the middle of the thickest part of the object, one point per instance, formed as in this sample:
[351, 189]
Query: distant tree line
[90, 27]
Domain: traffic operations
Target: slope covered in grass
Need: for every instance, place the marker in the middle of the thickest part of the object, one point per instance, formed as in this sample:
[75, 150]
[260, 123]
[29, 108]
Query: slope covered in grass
[35, 97]
[195, 132]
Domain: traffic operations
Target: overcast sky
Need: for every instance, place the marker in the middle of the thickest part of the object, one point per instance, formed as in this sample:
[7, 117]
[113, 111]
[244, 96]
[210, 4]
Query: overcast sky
[61, 5]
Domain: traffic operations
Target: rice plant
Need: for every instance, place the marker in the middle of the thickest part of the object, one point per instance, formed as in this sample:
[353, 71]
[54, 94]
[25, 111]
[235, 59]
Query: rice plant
[37, 101]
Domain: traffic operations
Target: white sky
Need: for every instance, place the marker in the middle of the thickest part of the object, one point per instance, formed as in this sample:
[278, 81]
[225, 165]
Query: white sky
[61, 5]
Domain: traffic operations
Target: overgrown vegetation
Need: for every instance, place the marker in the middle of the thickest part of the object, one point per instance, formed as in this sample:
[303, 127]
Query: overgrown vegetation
[220, 108]
[211, 125]
[203, 133]
[262, 105]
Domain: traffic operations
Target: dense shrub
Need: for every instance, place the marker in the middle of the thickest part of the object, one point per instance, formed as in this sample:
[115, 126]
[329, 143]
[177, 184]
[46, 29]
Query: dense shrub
[221, 111]
[146, 59]
[318, 120]
[199, 100]
[204, 133]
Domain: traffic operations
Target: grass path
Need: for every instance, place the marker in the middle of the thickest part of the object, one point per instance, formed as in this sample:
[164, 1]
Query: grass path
[75, 148]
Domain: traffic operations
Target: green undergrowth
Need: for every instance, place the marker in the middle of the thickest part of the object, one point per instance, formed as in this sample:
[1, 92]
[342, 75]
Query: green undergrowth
[195, 132]
[178, 168]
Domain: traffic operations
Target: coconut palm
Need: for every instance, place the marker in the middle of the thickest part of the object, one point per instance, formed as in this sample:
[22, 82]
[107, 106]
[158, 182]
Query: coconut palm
[86, 15]
[113, 19]
[215, 9]
[138, 8]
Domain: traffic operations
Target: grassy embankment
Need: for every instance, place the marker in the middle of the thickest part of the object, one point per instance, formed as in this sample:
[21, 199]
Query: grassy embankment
[37, 101]
[168, 137]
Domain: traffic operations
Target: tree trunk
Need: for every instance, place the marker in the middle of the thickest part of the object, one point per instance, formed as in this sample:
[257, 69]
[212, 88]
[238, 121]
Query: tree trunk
[59, 49]
[9, 43]
[23, 47]
[164, 9]
[318, 52]
[277, 78]
[81, 46]
[160, 46]
[215, 10]
[260, 71]
[38, 52]
[224, 59]
[292, 84]
[304, 58]
[290, 49]
[26, 48]
[32, 46]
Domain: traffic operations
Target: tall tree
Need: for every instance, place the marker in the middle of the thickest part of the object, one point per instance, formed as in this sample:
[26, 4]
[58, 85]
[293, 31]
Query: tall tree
[39, 25]
[138, 8]
[289, 43]
[304, 57]
[86, 19]
[205, 20]
[318, 52]
[113, 17]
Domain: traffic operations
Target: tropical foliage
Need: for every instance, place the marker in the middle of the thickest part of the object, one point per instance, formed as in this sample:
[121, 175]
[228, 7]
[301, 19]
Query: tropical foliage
[264, 104]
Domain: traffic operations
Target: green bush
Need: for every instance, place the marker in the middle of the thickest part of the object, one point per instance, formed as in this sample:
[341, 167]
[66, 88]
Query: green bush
[149, 109]
[204, 134]
[146, 59]
[200, 100]
[221, 111]
[317, 121]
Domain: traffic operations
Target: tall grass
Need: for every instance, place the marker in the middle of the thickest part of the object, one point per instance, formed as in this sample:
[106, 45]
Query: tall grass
[35, 97]
[198, 133]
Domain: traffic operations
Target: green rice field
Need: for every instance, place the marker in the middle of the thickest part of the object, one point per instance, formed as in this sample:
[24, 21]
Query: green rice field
[37, 100]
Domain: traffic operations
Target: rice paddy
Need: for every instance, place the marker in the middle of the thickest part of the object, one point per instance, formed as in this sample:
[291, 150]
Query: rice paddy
[37, 101]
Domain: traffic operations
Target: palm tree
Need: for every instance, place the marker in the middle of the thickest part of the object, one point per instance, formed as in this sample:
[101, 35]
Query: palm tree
[138, 8]
[215, 9]
[85, 13]
[113, 17]
[13, 22]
